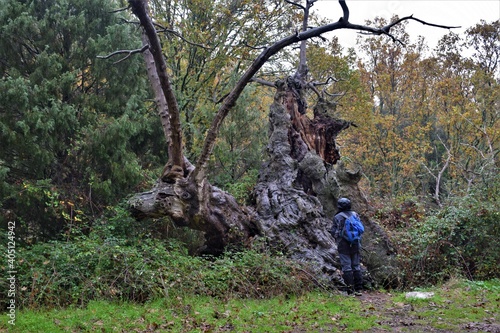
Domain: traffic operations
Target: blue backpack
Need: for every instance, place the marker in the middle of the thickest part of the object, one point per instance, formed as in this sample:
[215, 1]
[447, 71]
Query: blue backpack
[353, 228]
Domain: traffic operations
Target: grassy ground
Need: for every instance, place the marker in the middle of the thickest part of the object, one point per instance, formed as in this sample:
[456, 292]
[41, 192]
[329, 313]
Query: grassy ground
[456, 307]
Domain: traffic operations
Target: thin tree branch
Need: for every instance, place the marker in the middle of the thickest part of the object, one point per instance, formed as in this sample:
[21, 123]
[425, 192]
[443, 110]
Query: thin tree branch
[263, 82]
[328, 81]
[177, 34]
[385, 30]
[311, 86]
[120, 9]
[388, 27]
[295, 4]
[127, 52]
[131, 22]
[254, 47]
[333, 94]
[439, 176]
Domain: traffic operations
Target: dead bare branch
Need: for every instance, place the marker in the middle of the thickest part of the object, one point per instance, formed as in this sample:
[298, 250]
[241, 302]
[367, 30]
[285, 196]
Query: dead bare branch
[177, 34]
[131, 22]
[127, 52]
[263, 82]
[385, 30]
[120, 9]
[333, 94]
[440, 173]
[311, 86]
[329, 80]
[388, 27]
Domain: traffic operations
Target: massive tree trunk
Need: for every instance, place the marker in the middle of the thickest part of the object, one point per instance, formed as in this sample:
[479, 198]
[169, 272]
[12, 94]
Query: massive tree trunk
[299, 186]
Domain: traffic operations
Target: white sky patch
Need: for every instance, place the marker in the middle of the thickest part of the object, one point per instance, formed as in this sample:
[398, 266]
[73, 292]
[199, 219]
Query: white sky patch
[444, 12]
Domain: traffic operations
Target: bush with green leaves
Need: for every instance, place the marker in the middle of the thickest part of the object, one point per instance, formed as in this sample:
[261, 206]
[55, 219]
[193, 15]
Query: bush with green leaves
[102, 266]
[254, 274]
[58, 273]
[462, 240]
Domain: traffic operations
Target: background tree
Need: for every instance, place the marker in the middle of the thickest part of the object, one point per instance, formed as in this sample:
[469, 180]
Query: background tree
[399, 122]
[429, 141]
[75, 132]
[466, 107]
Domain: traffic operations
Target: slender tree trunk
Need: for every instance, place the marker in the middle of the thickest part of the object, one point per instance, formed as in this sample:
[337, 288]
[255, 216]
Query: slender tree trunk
[161, 102]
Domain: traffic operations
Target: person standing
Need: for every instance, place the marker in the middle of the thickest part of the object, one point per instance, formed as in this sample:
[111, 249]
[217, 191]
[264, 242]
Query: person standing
[349, 245]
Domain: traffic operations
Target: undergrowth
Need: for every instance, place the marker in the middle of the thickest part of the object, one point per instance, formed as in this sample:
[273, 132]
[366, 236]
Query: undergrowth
[460, 239]
[90, 268]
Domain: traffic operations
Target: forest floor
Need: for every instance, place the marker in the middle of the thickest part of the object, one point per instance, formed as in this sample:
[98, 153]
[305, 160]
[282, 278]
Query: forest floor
[420, 315]
[455, 307]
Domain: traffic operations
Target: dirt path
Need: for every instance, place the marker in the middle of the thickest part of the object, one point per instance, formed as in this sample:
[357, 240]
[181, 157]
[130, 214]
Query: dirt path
[403, 317]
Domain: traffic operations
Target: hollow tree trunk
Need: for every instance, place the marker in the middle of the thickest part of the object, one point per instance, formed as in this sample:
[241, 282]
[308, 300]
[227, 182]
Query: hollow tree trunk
[299, 186]
[287, 195]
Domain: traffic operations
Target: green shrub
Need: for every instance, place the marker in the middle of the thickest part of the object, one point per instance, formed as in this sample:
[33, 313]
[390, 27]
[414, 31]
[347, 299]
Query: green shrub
[254, 274]
[104, 267]
[461, 240]
[63, 273]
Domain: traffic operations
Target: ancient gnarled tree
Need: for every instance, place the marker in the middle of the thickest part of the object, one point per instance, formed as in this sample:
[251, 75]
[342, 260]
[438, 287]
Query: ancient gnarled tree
[300, 180]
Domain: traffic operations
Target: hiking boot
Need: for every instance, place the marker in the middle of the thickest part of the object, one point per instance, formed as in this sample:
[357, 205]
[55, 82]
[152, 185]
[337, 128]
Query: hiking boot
[349, 281]
[358, 280]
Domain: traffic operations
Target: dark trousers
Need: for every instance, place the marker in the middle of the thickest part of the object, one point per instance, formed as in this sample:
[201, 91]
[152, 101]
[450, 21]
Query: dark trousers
[351, 270]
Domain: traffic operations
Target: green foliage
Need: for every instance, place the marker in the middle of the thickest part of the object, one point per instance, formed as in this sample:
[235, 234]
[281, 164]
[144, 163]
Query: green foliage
[460, 240]
[252, 274]
[242, 187]
[75, 131]
[115, 263]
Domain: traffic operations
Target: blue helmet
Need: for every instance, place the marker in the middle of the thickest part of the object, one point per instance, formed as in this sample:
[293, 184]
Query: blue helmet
[344, 204]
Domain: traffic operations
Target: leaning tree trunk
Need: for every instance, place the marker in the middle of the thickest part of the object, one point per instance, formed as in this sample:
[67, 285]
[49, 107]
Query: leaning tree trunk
[198, 206]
